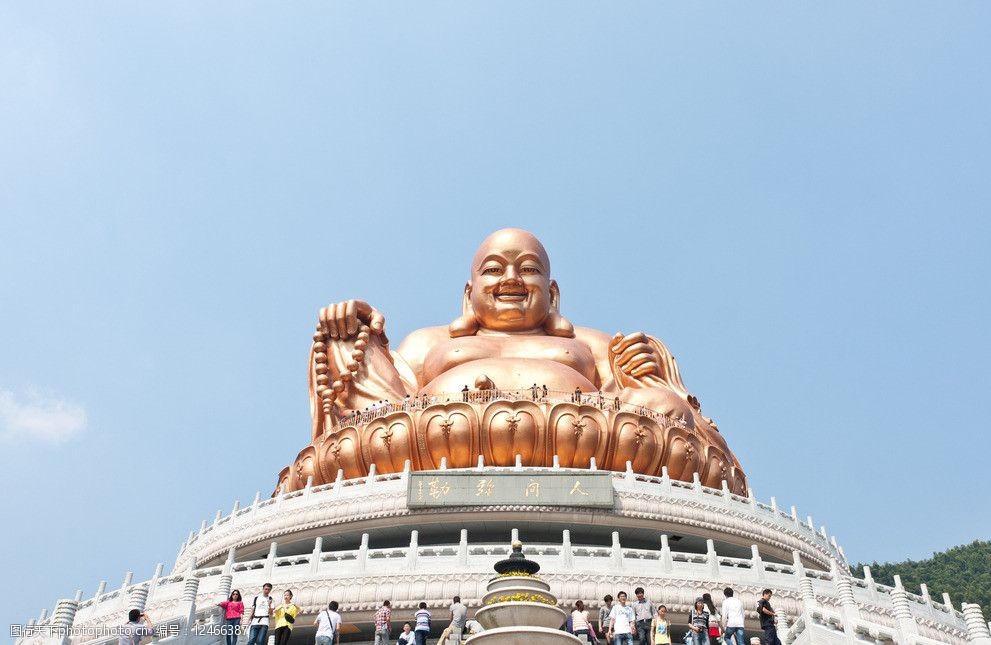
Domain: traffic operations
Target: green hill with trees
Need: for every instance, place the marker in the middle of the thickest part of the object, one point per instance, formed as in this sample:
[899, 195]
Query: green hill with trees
[964, 572]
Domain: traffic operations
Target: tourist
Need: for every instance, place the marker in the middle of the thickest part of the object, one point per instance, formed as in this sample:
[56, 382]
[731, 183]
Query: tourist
[767, 618]
[660, 628]
[732, 622]
[406, 636]
[621, 621]
[328, 623]
[580, 626]
[422, 620]
[261, 611]
[714, 619]
[474, 627]
[459, 616]
[233, 612]
[698, 623]
[383, 624]
[131, 632]
[604, 610]
[643, 610]
[285, 615]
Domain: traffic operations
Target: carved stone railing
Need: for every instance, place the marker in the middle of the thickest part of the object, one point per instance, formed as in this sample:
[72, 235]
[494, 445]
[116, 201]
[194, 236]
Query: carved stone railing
[690, 505]
[360, 578]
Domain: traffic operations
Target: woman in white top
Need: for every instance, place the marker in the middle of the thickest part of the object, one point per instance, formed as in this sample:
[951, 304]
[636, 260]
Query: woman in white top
[579, 623]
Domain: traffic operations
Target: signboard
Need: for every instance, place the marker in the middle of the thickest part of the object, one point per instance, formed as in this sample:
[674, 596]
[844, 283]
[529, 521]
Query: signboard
[466, 488]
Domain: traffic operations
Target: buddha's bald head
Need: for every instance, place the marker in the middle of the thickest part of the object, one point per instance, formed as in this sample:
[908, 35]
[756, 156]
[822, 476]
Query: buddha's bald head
[511, 240]
[510, 288]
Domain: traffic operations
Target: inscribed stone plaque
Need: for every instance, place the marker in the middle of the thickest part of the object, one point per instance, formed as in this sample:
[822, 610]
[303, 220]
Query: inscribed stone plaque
[453, 488]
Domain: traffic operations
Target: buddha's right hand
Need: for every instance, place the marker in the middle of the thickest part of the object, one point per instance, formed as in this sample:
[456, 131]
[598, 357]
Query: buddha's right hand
[341, 320]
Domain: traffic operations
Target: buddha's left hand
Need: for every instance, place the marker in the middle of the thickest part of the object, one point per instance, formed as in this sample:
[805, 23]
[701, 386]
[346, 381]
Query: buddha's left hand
[634, 356]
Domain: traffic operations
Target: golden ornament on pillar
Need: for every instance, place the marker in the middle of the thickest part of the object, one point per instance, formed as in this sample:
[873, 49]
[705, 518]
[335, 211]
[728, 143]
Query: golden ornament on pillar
[511, 377]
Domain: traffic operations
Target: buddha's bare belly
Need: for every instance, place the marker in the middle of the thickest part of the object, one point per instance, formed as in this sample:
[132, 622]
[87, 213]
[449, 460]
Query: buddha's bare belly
[510, 374]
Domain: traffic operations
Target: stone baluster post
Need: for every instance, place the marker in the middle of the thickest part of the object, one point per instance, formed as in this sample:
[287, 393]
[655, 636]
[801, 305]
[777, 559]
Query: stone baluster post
[902, 610]
[316, 554]
[711, 558]
[567, 555]
[978, 632]
[363, 550]
[924, 589]
[757, 563]
[667, 563]
[413, 552]
[696, 483]
[273, 549]
[481, 462]
[153, 586]
[616, 552]
[871, 585]
[463, 548]
[100, 590]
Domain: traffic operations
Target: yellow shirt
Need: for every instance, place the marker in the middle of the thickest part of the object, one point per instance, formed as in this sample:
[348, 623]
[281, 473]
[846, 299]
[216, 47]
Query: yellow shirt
[279, 613]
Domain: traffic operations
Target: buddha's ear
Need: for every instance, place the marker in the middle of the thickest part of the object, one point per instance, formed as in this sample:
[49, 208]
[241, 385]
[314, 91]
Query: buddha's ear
[467, 324]
[555, 324]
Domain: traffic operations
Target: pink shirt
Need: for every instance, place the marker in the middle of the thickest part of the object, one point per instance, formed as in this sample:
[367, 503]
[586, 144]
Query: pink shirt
[232, 609]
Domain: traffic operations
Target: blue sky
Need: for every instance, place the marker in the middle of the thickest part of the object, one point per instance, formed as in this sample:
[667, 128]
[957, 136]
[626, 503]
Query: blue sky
[793, 196]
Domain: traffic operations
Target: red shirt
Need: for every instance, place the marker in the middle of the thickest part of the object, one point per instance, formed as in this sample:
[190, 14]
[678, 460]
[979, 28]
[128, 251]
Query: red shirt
[232, 609]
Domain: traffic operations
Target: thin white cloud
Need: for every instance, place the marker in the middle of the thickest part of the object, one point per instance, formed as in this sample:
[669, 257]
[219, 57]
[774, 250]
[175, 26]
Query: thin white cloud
[34, 416]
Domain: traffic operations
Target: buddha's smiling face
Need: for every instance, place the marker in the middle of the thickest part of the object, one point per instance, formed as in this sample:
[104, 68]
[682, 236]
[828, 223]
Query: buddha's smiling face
[510, 288]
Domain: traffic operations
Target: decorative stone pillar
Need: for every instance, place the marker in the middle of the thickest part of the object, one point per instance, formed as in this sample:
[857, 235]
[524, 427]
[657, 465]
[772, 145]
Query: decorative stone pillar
[138, 597]
[977, 630]
[804, 583]
[65, 614]
[844, 592]
[901, 609]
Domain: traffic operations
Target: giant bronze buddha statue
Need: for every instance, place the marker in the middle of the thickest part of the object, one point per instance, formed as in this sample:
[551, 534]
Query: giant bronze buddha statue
[510, 378]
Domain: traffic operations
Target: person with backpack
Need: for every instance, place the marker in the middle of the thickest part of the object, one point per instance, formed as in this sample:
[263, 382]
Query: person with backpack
[328, 623]
[261, 611]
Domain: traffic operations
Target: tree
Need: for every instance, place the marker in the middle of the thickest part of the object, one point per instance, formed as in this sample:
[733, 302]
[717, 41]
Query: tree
[964, 572]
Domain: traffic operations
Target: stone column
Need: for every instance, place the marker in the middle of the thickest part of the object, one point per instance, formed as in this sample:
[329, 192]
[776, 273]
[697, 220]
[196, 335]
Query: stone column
[190, 587]
[849, 609]
[65, 614]
[977, 630]
[901, 609]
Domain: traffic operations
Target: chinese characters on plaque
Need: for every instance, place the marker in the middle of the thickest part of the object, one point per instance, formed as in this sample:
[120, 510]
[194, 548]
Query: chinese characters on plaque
[462, 488]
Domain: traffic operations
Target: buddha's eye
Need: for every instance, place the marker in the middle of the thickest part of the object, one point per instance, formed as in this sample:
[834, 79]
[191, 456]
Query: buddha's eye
[492, 271]
[529, 270]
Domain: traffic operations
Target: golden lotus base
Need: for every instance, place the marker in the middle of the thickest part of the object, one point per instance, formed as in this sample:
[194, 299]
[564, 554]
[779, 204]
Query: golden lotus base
[456, 434]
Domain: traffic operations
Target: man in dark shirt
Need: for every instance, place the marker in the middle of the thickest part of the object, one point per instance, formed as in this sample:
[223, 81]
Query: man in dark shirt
[767, 618]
